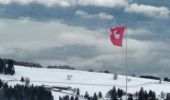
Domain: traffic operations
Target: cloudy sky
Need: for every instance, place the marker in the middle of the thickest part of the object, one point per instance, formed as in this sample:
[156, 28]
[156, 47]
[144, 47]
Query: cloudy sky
[75, 32]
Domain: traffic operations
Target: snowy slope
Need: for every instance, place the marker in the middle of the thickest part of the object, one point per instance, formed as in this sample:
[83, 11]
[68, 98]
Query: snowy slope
[86, 81]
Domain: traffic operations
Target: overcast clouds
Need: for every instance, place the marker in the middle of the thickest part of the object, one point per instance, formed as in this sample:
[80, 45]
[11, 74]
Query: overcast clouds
[75, 32]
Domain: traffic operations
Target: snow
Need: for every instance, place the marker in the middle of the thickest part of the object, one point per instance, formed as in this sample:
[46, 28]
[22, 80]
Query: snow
[85, 81]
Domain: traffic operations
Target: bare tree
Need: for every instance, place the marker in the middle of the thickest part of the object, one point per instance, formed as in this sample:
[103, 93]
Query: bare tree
[115, 76]
[27, 81]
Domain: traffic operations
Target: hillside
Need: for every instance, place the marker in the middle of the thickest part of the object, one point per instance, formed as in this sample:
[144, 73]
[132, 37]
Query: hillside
[85, 81]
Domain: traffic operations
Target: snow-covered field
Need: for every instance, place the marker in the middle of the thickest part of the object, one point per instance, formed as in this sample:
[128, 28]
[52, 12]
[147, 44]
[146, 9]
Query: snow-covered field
[85, 81]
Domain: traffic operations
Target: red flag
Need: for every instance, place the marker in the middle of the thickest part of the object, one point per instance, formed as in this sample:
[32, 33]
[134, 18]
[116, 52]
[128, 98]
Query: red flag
[116, 35]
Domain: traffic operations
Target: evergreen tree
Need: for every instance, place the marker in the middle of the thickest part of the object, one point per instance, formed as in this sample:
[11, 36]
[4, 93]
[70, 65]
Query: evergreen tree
[86, 95]
[100, 94]
[66, 97]
[1, 83]
[76, 98]
[22, 79]
[6, 69]
[113, 94]
[10, 67]
[1, 66]
[141, 94]
[145, 95]
[130, 97]
[166, 79]
[90, 98]
[78, 91]
[120, 93]
[95, 97]
[72, 98]
[152, 95]
[20, 92]
[168, 97]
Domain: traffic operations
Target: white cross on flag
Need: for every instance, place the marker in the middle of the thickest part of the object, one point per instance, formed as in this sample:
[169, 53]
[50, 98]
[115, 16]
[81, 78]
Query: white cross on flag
[116, 35]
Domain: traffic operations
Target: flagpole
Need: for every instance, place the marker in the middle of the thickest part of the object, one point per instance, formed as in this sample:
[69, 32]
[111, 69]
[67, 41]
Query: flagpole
[117, 35]
[126, 64]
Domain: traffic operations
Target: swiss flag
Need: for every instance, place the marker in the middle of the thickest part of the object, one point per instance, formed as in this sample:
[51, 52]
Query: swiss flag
[116, 35]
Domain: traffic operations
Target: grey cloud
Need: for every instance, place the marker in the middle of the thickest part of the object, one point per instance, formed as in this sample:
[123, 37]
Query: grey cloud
[56, 42]
[68, 3]
[66, 52]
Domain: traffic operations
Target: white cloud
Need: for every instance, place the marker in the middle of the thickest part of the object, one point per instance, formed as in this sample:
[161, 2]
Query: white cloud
[62, 3]
[67, 3]
[104, 3]
[148, 10]
[138, 32]
[33, 36]
[101, 15]
[48, 3]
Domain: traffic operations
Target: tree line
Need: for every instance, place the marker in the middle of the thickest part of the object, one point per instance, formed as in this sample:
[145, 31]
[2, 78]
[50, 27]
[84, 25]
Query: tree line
[23, 92]
[7, 67]
[86, 96]
[116, 94]
[61, 67]
[37, 65]
[23, 63]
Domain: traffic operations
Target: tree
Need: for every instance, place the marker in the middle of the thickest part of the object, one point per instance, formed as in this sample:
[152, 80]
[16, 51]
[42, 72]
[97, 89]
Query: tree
[152, 95]
[6, 69]
[95, 97]
[1, 66]
[72, 98]
[1, 83]
[90, 98]
[27, 81]
[168, 97]
[130, 97]
[113, 94]
[76, 98]
[66, 97]
[86, 95]
[146, 95]
[100, 94]
[166, 79]
[120, 93]
[115, 76]
[78, 91]
[22, 79]
[141, 94]
[106, 71]
[20, 92]
[162, 95]
[10, 67]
